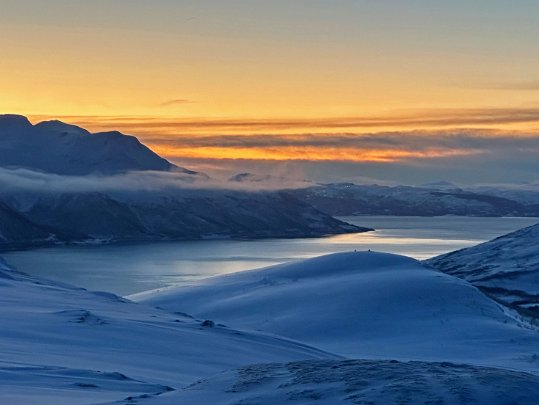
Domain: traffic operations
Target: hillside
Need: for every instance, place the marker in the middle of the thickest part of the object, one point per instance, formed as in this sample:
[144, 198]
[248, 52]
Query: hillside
[65, 345]
[362, 305]
[16, 228]
[167, 215]
[329, 382]
[506, 268]
[410, 335]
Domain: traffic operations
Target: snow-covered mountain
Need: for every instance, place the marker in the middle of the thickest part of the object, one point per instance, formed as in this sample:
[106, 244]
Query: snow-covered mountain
[506, 268]
[65, 345]
[56, 147]
[432, 199]
[363, 305]
[46, 218]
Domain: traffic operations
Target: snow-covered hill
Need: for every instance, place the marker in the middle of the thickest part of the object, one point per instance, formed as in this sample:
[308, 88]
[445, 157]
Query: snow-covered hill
[363, 305]
[64, 345]
[506, 268]
[56, 147]
[328, 382]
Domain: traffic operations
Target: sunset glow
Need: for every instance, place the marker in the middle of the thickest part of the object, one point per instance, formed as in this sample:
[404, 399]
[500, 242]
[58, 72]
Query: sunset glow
[304, 153]
[169, 71]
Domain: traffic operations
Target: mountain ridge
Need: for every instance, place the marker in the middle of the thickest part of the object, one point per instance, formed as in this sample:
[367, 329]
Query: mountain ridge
[505, 268]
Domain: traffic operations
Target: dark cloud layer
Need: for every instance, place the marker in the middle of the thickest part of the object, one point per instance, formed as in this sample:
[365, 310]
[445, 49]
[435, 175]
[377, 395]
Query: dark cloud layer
[465, 140]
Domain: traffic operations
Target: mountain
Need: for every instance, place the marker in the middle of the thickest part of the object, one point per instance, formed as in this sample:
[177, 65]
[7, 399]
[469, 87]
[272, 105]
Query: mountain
[33, 214]
[506, 268]
[208, 213]
[56, 147]
[428, 200]
[79, 216]
[65, 345]
[166, 215]
[16, 228]
[363, 305]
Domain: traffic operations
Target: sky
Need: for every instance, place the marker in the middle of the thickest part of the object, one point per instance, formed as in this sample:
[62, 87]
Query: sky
[403, 91]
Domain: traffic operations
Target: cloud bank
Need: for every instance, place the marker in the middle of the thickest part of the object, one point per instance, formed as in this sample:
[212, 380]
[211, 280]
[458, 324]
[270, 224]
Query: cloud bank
[20, 180]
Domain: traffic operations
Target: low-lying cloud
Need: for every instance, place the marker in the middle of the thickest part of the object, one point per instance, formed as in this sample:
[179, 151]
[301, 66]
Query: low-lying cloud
[19, 180]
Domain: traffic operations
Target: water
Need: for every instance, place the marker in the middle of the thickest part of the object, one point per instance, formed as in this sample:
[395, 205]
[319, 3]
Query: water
[125, 269]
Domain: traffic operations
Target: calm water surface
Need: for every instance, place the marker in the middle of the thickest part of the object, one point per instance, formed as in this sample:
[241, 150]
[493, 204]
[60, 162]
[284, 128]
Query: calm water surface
[125, 269]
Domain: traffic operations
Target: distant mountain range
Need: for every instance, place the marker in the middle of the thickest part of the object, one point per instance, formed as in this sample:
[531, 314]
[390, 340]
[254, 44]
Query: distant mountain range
[434, 199]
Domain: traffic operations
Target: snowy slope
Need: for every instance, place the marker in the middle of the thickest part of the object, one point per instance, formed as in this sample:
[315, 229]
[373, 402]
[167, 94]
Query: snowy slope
[358, 382]
[363, 305]
[506, 268]
[64, 345]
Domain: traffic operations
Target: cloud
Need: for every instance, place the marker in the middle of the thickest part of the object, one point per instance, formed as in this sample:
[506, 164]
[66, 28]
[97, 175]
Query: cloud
[466, 157]
[525, 85]
[148, 127]
[173, 102]
[376, 147]
[19, 180]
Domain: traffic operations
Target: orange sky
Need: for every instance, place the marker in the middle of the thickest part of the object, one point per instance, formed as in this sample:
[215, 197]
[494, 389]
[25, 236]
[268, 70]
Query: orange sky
[167, 70]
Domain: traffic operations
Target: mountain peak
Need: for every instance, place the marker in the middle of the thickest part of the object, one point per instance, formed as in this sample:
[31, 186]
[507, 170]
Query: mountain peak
[14, 121]
[70, 150]
[61, 127]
